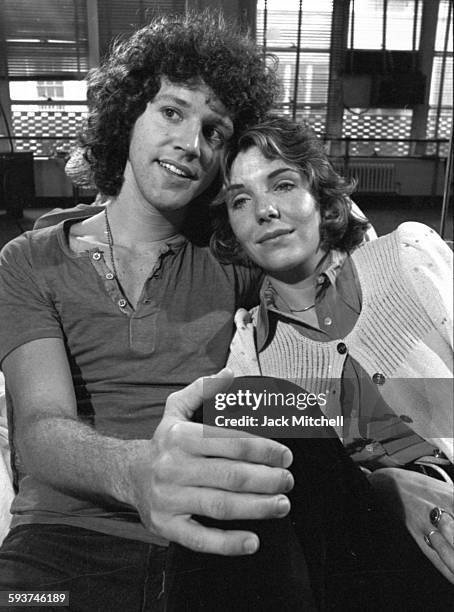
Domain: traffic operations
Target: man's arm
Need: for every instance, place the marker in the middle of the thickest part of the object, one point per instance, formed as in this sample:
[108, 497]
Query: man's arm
[176, 474]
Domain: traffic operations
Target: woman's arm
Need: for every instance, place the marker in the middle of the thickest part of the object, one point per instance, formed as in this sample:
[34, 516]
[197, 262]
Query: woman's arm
[413, 496]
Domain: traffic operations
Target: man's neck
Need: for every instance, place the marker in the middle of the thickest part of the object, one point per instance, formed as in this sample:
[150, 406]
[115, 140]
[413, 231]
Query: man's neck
[137, 225]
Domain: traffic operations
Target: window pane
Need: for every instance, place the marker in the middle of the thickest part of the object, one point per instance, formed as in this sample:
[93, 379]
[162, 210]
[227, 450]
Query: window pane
[47, 129]
[313, 77]
[368, 24]
[441, 27]
[119, 16]
[436, 81]
[399, 27]
[46, 37]
[282, 23]
[55, 90]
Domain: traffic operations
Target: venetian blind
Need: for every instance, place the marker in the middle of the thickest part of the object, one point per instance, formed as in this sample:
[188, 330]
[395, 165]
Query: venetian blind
[280, 26]
[45, 38]
[117, 17]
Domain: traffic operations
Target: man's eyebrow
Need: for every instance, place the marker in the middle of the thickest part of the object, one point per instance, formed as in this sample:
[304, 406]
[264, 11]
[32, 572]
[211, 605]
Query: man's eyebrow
[185, 104]
[170, 98]
[271, 175]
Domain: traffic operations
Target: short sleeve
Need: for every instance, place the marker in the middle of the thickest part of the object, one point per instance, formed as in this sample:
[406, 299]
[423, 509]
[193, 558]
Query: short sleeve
[26, 310]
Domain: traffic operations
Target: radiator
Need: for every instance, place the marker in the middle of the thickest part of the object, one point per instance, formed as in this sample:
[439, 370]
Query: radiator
[371, 177]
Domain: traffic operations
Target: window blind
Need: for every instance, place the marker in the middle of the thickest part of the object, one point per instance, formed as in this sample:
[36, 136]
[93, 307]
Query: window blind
[303, 70]
[46, 38]
[117, 17]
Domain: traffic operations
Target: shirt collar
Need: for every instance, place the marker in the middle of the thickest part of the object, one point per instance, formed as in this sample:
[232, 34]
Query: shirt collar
[328, 276]
[172, 245]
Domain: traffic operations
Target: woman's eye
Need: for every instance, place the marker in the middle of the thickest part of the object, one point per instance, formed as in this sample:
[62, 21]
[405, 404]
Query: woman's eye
[238, 203]
[284, 186]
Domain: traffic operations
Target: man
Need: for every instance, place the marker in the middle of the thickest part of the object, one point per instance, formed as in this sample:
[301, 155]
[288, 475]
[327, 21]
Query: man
[103, 317]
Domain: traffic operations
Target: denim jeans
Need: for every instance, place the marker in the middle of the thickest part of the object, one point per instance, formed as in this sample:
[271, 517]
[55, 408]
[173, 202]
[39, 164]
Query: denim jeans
[101, 572]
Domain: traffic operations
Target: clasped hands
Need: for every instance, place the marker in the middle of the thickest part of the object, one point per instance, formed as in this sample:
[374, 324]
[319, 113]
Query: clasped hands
[187, 472]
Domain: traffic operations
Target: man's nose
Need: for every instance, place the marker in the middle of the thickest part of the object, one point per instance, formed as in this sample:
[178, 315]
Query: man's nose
[189, 139]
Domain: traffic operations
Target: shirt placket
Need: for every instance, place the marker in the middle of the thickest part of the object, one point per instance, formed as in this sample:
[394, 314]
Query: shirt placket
[111, 284]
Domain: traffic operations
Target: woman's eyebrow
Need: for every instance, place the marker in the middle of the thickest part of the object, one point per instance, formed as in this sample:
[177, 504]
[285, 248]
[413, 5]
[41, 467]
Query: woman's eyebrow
[281, 170]
[271, 175]
[235, 186]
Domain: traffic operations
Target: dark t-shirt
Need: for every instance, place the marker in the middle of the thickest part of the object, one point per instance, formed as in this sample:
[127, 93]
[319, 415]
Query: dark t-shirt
[124, 362]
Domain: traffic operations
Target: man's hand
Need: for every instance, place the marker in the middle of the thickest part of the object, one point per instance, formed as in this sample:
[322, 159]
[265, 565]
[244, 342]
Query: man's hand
[237, 476]
[414, 496]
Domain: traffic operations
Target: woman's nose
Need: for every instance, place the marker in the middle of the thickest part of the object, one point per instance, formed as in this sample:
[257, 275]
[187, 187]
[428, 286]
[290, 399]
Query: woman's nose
[266, 210]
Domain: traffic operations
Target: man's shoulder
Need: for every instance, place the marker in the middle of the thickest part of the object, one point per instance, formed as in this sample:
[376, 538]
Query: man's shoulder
[33, 245]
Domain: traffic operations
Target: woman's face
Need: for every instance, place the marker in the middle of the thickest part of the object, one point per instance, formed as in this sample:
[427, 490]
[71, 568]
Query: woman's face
[273, 215]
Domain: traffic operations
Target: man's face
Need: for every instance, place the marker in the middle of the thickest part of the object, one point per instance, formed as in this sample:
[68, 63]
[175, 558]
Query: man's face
[176, 146]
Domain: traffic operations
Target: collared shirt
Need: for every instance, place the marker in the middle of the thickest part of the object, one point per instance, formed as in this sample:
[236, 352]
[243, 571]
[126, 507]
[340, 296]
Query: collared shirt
[374, 429]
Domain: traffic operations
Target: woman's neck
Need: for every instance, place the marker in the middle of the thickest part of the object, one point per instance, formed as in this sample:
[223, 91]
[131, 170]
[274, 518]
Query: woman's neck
[298, 291]
[296, 297]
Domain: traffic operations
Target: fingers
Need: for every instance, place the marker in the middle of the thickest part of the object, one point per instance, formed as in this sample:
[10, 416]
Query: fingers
[226, 475]
[185, 402]
[191, 534]
[441, 539]
[227, 506]
[443, 520]
[442, 547]
[194, 439]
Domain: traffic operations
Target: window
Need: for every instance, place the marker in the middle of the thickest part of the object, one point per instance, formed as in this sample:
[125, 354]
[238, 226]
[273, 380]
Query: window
[47, 58]
[439, 123]
[119, 16]
[298, 33]
[46, 38]
[379, 24]
[50, 90]
[47, 115]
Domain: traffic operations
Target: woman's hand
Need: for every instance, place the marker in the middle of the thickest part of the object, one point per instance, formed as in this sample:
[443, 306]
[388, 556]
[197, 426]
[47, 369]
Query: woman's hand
[415, 498]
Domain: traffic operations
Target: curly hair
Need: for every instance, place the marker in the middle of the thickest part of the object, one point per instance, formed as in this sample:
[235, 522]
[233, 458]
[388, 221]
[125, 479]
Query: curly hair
[299, 146]
[186, 50]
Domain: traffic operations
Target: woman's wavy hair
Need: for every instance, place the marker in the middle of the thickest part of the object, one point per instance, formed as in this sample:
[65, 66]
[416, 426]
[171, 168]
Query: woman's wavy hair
[186, 50]
[299, 146]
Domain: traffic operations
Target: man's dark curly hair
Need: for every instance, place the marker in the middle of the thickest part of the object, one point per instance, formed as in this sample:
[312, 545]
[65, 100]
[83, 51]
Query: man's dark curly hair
[299, 146]
[186, 50]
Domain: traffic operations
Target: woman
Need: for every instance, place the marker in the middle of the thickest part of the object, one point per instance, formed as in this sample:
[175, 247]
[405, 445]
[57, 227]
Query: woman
[372, 321]
[390, 301]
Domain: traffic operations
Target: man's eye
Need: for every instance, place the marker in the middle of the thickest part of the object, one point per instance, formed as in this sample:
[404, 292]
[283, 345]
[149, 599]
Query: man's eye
[215, 135]
[170, 113]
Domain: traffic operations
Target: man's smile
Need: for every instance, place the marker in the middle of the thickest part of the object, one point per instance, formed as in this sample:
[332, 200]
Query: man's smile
[178, 170]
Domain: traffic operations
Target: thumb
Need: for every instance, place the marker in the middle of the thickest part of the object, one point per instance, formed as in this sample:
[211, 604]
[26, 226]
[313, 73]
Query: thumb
[182, 404]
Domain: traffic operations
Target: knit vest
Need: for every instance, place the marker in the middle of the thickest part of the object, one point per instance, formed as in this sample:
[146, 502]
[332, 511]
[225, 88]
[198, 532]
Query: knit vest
[401, 337]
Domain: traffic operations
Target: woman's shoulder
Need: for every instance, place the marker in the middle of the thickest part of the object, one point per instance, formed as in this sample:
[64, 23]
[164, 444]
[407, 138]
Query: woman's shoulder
[411, 239]
[415, 233]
